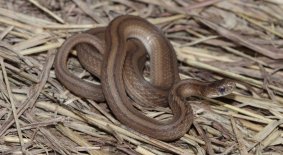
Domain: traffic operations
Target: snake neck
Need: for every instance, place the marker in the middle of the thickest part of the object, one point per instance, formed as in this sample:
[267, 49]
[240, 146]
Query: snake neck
[187, 88]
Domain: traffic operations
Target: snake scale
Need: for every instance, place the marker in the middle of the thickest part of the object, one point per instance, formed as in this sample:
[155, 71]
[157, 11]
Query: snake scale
[116, 54]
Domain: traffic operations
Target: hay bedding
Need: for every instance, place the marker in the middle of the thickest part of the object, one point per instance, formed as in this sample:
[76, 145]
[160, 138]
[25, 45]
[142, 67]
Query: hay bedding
[238, 39]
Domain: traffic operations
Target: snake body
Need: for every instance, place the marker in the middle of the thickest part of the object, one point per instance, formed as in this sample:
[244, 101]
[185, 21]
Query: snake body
[116, 54]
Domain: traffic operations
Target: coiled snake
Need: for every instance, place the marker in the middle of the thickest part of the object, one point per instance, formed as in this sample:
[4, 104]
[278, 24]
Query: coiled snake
[116, 54]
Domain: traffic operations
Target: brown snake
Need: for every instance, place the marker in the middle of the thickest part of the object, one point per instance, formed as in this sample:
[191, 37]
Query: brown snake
[117, 54]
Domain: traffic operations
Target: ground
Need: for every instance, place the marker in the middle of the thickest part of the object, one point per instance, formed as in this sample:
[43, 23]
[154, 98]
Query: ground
[213, 39]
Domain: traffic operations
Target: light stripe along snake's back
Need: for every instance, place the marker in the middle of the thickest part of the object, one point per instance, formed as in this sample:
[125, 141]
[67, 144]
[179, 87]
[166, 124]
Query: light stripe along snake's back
[117, 54]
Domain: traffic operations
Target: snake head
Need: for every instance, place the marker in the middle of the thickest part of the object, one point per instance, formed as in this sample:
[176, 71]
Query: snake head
[220, 88]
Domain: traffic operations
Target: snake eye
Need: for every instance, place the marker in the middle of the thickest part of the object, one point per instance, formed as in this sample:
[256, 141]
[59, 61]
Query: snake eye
[221, 90]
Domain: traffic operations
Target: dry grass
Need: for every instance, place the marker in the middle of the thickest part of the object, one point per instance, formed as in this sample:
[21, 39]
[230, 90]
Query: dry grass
[238, 39]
